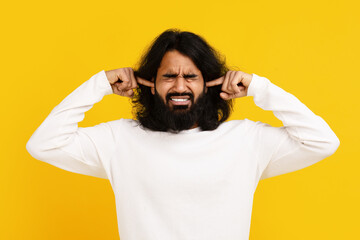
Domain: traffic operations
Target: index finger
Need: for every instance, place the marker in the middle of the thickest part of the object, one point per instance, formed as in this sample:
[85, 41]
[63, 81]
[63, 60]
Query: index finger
[144, 82]
[215, 82]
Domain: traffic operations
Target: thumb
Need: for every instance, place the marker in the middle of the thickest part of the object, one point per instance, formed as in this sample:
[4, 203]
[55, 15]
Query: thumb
[224, 96]
[129, 93]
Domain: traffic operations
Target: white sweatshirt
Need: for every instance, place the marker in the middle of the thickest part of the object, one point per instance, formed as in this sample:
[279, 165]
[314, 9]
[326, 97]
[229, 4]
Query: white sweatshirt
[194, 185]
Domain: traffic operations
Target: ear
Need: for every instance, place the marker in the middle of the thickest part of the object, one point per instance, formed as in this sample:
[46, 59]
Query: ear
[153, 89]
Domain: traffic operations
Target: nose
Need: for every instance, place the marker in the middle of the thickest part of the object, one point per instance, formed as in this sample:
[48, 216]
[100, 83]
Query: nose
[180, 84]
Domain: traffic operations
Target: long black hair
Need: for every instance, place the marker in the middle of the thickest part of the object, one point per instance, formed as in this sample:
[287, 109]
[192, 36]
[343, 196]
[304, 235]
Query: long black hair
[206, 59]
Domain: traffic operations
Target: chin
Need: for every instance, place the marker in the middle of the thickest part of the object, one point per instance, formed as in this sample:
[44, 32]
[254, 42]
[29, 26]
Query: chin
[180, 108]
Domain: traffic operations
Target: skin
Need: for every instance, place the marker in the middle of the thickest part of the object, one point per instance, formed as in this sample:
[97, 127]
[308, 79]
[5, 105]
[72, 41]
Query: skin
[178, 74]
[235, 84]
[180, 65]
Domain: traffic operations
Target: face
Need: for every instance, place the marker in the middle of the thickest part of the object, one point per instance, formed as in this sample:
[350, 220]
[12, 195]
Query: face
[179, 82]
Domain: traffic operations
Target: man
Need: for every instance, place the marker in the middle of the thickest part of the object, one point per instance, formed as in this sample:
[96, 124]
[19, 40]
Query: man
[179, 171]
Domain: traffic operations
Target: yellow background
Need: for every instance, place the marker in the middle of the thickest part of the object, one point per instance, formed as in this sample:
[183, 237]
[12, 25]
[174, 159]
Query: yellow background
[49, 48]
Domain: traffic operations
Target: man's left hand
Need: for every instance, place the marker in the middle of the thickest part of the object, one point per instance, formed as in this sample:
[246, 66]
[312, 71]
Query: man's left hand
[234, 84]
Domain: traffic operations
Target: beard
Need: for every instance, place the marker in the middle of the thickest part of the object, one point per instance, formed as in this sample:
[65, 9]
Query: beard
[180, 117]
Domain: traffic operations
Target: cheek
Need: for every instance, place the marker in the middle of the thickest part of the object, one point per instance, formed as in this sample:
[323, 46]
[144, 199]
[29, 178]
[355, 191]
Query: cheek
[161, 89]
[198, 90]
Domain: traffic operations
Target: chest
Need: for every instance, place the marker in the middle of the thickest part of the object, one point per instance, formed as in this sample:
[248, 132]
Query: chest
[187, 166]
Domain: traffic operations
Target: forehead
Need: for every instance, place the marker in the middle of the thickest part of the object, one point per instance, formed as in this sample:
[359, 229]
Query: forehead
[176, 62]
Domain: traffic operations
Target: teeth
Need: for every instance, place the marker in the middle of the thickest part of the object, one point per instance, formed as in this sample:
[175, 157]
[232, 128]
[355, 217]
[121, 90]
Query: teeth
[179, 99]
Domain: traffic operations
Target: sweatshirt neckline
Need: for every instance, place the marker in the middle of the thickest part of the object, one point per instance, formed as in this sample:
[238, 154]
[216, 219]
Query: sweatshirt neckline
[192, 130]
[188, 131]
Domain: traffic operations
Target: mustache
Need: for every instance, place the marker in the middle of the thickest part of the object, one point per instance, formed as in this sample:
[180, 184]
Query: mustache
[169, 95]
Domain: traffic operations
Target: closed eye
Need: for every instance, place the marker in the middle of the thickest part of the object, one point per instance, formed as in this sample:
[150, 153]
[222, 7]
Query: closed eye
[192, 76]
[170, 75]
[186, 76]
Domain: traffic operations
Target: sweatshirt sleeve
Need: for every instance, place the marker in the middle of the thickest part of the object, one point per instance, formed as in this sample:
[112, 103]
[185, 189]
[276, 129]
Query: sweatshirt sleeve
[60, 142]
[303, 140]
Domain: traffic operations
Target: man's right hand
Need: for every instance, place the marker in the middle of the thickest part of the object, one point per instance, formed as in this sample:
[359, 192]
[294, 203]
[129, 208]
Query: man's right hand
[123, 81]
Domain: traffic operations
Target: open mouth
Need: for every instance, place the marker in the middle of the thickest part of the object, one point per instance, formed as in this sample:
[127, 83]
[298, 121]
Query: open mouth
[180, 100]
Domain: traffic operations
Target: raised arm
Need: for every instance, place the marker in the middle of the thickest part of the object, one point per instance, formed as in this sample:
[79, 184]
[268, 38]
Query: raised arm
[60, 142]
[304, 138]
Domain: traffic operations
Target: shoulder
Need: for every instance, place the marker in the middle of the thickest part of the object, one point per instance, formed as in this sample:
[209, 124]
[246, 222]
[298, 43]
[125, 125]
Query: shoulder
[242, 125]
[109, 129]
[122, 124]
[249, 127]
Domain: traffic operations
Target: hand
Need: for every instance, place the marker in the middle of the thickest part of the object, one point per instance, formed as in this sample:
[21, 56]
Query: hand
[234, 84]
[123, 81]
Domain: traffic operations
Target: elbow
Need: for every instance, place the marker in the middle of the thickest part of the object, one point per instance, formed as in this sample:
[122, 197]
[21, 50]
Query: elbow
[322, 148]
[335, 143]
[330, 147]
[33, 149]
